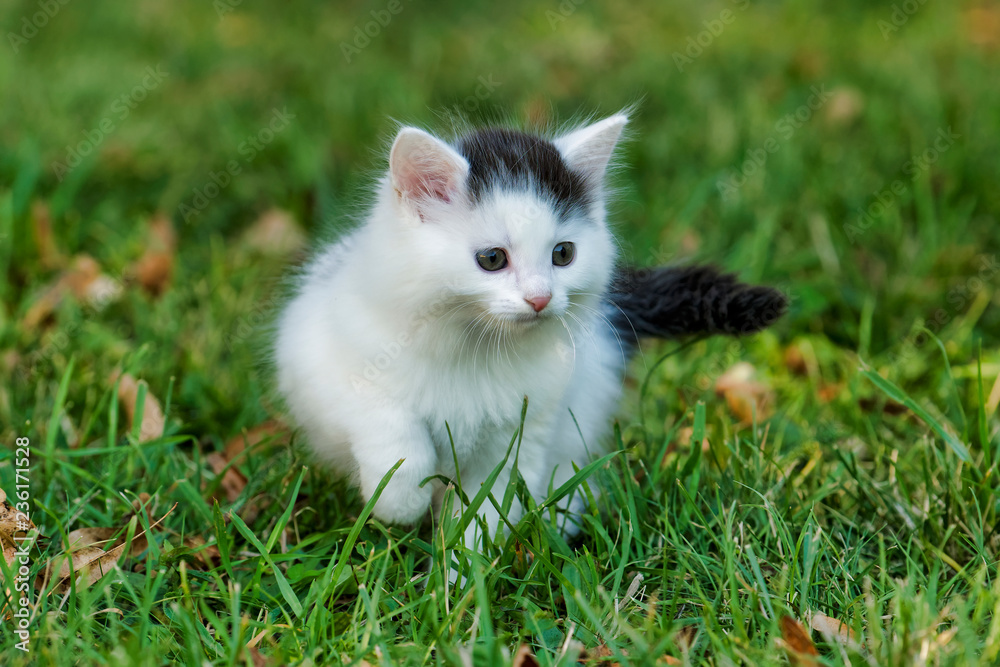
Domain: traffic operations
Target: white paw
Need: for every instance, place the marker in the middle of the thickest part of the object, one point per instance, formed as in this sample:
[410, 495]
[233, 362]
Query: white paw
[403, 503]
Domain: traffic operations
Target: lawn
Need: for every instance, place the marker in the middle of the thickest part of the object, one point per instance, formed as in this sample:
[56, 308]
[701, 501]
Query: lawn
[821, 493]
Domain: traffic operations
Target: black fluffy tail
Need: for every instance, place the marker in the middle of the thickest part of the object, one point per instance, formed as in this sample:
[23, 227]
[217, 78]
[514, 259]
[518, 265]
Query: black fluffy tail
[678, 301]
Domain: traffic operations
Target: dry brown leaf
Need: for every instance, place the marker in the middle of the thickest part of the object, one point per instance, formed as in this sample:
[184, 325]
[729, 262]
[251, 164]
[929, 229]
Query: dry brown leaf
[829, 391]
[250, 438]
[233, 481]
[524, 658]
[274, 233]
[83, 280]
[156, 266]
[43, 306]
[85, 556]
[85, 537]
[833, 630]
[798, 645]
[685, 637]
[140, 502]
[599, 654]
[669, 660]
[86, 282]
[795, 361]
[14, 530]
[207, 554]
[153, 421]
[48, 252]
[983, 26]
[258, 658]
[747, 399]
[845, 105]
[12, 521]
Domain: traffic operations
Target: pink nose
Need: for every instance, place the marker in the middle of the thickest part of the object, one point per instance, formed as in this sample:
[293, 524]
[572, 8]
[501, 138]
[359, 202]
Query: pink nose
[539, 302]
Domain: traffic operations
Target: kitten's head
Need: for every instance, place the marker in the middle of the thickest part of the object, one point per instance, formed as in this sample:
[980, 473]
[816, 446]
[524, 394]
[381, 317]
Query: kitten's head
[512, 224]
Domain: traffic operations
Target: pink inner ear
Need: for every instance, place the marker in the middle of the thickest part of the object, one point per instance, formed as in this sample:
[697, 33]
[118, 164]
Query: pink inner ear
[432, 182]
[425, 170]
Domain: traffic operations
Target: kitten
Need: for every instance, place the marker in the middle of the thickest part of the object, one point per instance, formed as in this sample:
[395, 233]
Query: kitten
[484, 274]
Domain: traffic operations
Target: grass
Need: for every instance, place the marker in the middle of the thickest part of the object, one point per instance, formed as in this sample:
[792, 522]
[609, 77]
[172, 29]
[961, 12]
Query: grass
[864, 490]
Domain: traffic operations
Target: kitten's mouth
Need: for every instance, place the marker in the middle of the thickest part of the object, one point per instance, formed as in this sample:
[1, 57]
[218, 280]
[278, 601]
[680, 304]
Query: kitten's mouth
[525, 319]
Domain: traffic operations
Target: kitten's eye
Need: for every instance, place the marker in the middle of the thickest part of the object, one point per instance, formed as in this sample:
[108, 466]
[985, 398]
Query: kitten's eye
[563, 253]
[493, 259]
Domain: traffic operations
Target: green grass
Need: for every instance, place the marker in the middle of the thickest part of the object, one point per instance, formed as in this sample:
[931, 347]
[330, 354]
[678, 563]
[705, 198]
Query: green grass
[868, 494]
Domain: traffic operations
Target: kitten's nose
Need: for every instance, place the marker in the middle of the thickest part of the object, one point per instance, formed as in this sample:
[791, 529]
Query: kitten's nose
[539, 302]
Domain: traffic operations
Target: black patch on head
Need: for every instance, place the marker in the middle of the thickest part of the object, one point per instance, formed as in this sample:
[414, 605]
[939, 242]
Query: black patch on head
[508, 159]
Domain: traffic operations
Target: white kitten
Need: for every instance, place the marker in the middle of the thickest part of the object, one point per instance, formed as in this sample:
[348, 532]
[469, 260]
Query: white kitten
[482, 277]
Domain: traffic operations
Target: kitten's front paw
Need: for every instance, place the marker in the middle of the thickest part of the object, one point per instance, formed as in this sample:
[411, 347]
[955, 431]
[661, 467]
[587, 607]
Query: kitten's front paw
[403, 504]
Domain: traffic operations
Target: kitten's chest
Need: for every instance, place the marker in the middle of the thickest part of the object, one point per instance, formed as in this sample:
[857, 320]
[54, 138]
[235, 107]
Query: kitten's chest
[481, 405]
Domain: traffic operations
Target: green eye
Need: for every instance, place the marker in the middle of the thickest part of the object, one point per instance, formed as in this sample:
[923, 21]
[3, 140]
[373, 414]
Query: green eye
[563, 253]
[493, 259]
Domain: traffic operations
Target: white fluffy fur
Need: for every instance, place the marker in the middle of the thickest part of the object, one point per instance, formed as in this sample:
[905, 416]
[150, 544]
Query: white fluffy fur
[396, 331]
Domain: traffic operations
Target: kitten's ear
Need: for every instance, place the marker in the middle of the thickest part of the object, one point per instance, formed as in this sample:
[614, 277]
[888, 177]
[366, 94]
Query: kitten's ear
[588, 150]
[423, 168]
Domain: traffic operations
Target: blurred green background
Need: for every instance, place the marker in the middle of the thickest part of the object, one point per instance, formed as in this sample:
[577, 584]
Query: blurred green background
[715, 85]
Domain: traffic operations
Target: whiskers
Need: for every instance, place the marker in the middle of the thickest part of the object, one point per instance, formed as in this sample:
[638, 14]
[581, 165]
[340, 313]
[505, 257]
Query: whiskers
[623, 349]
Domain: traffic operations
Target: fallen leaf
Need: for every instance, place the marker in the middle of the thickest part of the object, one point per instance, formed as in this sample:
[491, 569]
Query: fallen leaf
[155, 267]
[207, 554]
[91, 287]
[845, 105]
[829, 391]
[274, 233]
[833, 630]
[233, 481]
[795, 361]
[44, 305]
[524, 658]
[140, 502]
[153, 421]
[983, 26]
[669, 660]
[86, 557]
[84, 281]
[798, 645]
[685, 637]
[250, 438]
[15, 528]
[747, 399]
[599, 654]
[12, 521]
